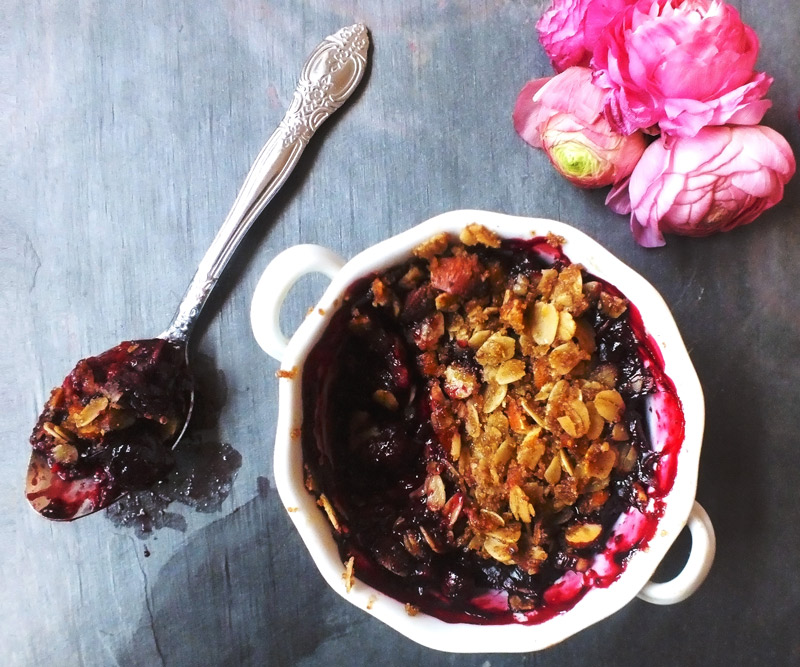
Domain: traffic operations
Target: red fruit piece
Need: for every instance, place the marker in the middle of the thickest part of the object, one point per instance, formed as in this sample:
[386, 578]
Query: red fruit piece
[456, 275]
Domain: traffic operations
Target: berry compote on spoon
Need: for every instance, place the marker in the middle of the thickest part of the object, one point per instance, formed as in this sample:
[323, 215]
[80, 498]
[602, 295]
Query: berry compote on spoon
[112, 424]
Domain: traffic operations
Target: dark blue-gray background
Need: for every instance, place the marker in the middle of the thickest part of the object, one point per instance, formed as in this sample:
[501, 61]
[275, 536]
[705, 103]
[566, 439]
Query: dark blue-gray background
[128, 127]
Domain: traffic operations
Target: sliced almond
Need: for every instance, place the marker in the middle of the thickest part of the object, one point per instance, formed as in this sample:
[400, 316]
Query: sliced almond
[531, 449]
[91, 411]
[455, 446]
[472, 423]
[435, 493]
[565, 357]
[493, 396]
[609, 405]
[493, 517]
[544, 323]
[479, 338]
[520, 505]
[503, 454]
[499, 550]
[566, 326]
[510, 371]
[582, 534]
[566, 463]
[497, 349]
[553, 472]
[57, 432]
[612, 305]
[596, 422]
[569, 426]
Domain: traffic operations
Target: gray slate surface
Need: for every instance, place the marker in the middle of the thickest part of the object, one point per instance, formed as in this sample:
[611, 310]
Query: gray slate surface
[128, 127]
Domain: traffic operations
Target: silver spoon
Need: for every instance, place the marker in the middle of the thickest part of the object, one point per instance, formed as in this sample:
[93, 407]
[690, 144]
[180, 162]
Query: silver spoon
[62, 492]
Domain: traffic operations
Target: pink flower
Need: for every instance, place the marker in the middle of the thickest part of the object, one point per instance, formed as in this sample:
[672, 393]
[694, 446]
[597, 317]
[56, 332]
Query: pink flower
[717, 180]
[564, 116]
[681, 64]
[569, 28]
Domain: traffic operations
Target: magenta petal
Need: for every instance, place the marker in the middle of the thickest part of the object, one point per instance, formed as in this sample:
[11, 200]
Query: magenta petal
[645, 235]
[619, 198]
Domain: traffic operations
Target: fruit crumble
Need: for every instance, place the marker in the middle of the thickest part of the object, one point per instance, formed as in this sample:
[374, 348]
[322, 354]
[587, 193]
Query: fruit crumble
[474, 426]
[111, 423]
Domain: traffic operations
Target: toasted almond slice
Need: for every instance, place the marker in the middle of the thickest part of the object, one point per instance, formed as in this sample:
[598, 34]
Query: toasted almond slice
[455, 446]
[497, 349]
[566, 326]
[531, 449]
[544, 323]
[520, 505]
[57, 432]
[527, 407]
[565, 357]
[435, 493]
[452, 508]
[431, 542]
[91, 411]
[503, 455]
[510, 371]
[569, 426]
[493, 517]
[609, 405]
[493, 396]
[553, 472]
[596, 422]
[566, 463]
[579, 414]
[582, 534]
[472, 423]
[500, 551]
[479, 338]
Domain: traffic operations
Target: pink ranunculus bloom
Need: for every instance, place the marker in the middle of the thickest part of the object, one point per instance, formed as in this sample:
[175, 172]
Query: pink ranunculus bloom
[680, 64]
[568, 29]
[717, 180]
[564, 116]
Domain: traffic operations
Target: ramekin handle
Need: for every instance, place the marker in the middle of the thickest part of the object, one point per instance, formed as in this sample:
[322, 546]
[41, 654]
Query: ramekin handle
[704, 545]
[278, 278]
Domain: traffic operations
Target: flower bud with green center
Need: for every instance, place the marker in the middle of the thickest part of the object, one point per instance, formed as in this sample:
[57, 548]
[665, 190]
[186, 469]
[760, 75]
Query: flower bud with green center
[564, 116]
[575, 160]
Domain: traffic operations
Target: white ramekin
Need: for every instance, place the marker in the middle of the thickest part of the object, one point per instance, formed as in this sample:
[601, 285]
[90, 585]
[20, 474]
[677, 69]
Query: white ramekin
[680, 507]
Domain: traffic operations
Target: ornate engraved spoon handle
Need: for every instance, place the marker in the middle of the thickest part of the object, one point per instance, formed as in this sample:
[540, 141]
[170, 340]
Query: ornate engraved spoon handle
[331, 73]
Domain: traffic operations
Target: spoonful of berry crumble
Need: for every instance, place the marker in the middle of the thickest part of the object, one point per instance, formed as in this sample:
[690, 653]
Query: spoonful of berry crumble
[112, 424]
